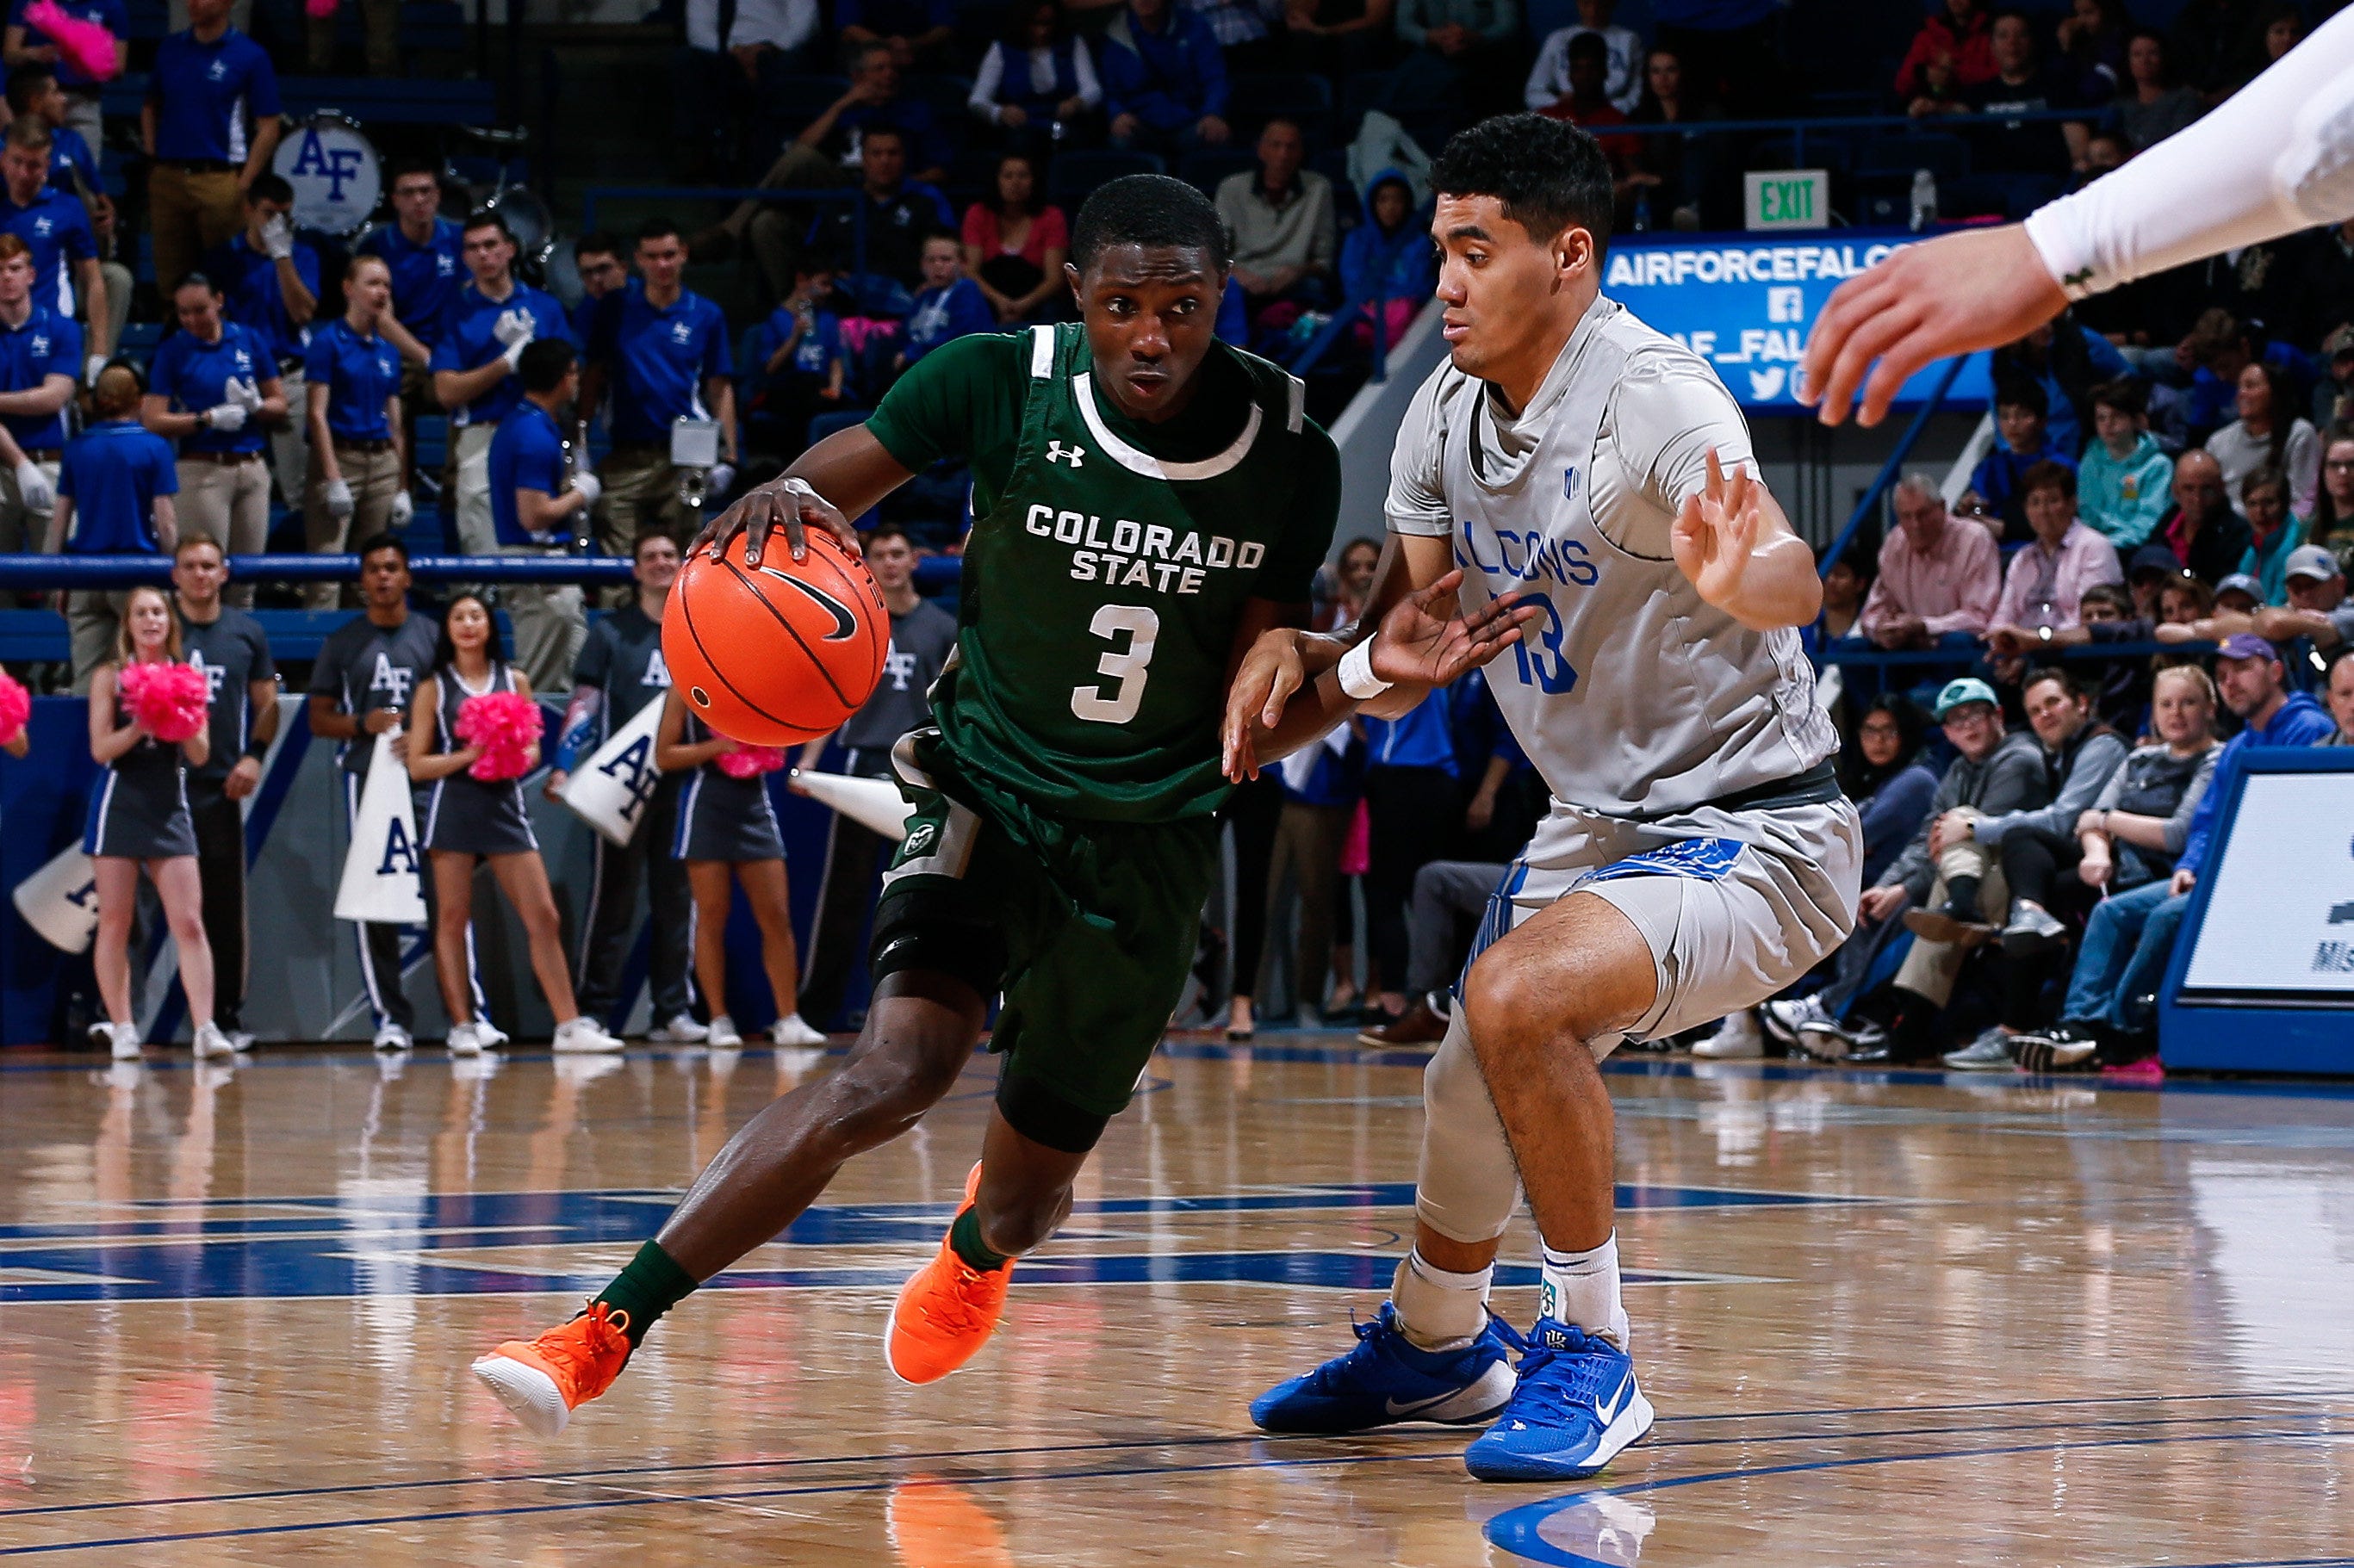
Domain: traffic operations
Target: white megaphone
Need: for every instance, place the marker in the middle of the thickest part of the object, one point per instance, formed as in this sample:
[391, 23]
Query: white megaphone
[874, 803]
[382, 885]
[609, 790]
[61, 901]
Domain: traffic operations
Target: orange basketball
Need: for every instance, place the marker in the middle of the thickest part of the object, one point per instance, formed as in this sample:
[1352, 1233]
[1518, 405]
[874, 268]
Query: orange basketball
[780, 653]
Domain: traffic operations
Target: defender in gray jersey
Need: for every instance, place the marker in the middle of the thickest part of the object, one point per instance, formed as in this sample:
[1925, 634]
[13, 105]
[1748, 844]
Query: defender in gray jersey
[1569, 469]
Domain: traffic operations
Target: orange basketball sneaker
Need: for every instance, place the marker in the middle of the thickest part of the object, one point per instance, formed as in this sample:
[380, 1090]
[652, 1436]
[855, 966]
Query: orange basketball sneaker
[543, 1380]
[947, 1311]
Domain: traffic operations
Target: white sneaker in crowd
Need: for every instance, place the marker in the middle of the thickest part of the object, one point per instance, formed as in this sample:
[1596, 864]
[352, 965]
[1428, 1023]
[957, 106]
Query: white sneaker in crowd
[393, 1037]
[583, 1033]
[489, 1035]
[463, 1040]
[209, 1041]
[722, 1035]
[1738, 1037]
[793, 1030]
[240, 1041]
[1784, 1018]
[679, 1030]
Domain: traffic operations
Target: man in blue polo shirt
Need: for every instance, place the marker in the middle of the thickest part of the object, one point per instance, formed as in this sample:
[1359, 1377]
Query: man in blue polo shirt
[492, 321]
[39, 353]
[422, 250]
[661, 351]
[209, 126]
[34, 94]
[269, 282]
[114, 498]
[538, 508]
[81, 91]
[56, 230]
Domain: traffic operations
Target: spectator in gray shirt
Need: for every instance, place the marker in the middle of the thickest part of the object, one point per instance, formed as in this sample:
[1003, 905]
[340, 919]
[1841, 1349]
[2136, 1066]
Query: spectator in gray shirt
[1281, 218]
[2034, 845]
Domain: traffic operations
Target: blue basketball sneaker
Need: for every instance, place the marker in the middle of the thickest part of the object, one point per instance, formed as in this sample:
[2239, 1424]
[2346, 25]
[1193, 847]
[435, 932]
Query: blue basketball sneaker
[1575, 1407]
[1386, 1381]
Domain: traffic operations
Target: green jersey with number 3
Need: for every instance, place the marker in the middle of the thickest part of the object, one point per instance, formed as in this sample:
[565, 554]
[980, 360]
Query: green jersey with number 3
[1108, 564]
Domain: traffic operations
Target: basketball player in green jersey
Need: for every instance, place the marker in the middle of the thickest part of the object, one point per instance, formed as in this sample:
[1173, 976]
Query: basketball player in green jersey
[1146, 502]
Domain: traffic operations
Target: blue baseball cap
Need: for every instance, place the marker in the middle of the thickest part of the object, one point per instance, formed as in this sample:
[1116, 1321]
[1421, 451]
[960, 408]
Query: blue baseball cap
[1956, 694]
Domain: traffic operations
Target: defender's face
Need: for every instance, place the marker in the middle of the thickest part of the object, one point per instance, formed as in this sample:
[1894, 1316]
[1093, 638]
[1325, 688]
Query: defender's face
[1151, 312]
[1496, 281]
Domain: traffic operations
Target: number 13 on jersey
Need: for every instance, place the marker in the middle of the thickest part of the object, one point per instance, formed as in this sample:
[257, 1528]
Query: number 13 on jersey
[1129, 666]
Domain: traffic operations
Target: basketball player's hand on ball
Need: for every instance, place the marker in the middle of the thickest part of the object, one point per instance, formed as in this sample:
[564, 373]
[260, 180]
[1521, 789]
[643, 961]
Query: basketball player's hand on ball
[1962, 291]
[788, 506]
[1427, 640]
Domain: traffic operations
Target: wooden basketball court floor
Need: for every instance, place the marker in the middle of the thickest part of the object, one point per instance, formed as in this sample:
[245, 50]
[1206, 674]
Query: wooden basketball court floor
[1886, 1318]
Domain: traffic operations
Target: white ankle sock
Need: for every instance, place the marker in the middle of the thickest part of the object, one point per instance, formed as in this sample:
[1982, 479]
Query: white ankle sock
[1581, 1288]
[1438, 1310]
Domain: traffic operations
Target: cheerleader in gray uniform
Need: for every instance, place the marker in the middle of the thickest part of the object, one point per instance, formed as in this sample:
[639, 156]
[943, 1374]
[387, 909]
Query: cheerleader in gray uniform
[464, 819]
[139, 816]
[727, 835]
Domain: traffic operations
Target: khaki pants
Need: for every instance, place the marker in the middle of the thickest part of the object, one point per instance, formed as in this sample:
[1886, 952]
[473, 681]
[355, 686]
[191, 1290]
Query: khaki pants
[478, 534]
[1931, 969]
[774, 234]
[374, 478]
[23, 530]
[85, 112]
[189, 212]
[91, 618]
[641, 492]
[550, 621]
[231, 501]
[290, 444]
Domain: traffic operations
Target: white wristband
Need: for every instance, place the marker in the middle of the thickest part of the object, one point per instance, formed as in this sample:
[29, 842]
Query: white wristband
[1357, 677]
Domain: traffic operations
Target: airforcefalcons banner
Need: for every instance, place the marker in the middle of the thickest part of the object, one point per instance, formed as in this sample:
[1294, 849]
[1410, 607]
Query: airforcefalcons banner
[1746, 306]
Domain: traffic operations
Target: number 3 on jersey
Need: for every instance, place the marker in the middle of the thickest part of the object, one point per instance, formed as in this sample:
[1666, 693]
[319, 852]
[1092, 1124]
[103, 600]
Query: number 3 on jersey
[1128, 666]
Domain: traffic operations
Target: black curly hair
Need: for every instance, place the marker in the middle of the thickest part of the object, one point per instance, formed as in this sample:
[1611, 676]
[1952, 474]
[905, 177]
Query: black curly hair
[1149, 209]
[1549, 174]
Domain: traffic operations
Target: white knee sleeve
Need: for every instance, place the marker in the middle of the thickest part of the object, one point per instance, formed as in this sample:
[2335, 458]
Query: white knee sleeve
[1467, 1186]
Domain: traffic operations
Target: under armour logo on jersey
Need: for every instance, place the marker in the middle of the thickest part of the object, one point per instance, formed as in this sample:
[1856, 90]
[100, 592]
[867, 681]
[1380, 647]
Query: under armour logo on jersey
[1056, 452]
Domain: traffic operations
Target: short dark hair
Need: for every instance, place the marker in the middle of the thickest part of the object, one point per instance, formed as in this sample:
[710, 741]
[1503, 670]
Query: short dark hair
[2048, 475]
[890, 531]
[196, 281]
[403, 168]
[658, 227]
[2022, 393]
[547, 361]
[2265, 476]
[1589, 44]
[2117, 596]
[2126, 393]
[597, 242]
[383, 539]
[269, 187]
[23, 85]
[2069, 685]
[883, 128]
[649, 536]
[1148, 210]
[486, 218]
[1548, 175]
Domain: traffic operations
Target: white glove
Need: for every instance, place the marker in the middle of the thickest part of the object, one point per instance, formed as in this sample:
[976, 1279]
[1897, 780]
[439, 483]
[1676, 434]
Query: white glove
[513, 327]
[590, 485]
[403, 508]
[719, 476]
[278, 238]
[225, 418]
[244, 393]
[339, 499]
[39, 494]
[90, 367]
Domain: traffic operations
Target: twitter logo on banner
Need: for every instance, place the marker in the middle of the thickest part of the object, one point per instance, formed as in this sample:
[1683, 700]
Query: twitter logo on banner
[1765, 385]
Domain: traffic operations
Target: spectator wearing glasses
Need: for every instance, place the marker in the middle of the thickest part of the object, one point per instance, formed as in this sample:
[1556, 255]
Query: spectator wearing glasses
[2046, 581]
[1939, 581]
[2332, 524]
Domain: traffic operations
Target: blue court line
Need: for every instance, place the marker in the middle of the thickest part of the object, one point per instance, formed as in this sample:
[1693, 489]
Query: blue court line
[1515, 1530]
[1451, 1440]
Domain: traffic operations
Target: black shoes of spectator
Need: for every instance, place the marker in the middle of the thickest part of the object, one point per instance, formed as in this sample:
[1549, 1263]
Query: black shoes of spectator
[2065, 1048]
[1421, 1024]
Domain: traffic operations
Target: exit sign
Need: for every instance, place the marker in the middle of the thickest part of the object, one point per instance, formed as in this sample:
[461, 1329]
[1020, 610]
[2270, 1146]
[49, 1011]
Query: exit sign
[1788, 198]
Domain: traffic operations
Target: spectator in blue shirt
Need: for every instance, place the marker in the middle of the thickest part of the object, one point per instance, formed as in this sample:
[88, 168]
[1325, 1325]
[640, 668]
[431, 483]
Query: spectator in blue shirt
[212, 387]
[25, 43]
[1995, 497]
[660, 351]
[352, 407]
[269, 282]
[39, 355]
[56, 230]
[114, 498]
[795, 366]
[422, 250]
[208, 126]
[1388, 256]
[1164, 79]
[897, 212]
[492, 319]
[916, 33]
[598, 259]
[539, 506]
[950, 305]
[34, 94]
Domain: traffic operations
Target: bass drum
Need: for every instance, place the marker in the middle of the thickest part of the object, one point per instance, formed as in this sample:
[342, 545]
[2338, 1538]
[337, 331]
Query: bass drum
[338, 178]
[533, 225]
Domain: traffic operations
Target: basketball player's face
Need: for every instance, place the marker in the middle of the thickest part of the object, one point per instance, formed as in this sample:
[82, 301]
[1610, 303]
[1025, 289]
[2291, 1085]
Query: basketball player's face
[1502, 293]
[1151, 312]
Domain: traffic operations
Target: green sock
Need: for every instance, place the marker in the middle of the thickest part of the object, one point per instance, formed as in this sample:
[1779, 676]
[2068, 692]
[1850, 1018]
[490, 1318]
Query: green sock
[651, 1285]
[964, 1240]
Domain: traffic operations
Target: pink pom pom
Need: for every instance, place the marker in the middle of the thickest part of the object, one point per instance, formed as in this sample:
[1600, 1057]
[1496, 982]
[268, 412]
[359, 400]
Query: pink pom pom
[16, 707]
[507, 725]
[169, 701]
[87, 47]
[750, 761]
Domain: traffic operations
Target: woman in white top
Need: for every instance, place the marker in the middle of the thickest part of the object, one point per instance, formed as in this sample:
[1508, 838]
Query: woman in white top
[2268, 432]
[1037, 77]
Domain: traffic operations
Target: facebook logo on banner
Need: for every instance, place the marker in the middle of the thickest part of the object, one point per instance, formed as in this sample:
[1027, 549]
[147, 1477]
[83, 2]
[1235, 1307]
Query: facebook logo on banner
[1746, 306]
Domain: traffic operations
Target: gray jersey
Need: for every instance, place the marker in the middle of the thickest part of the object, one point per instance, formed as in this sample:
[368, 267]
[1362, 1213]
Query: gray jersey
[1632, 695]
[623, 658]
[233, 652]
[921, 641]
